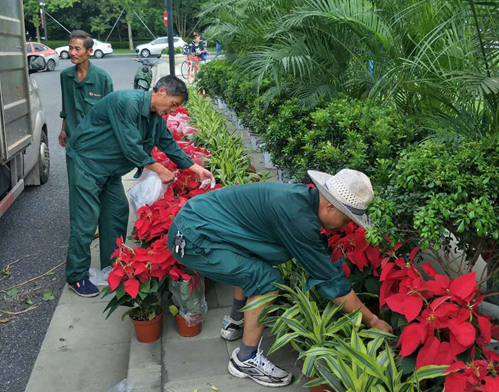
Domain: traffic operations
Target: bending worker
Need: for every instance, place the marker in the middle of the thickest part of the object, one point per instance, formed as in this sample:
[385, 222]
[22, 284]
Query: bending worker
[237, 234]
[115, 137]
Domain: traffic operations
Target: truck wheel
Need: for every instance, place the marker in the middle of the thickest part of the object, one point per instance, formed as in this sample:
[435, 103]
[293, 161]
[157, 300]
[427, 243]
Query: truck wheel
[99, 54]
[64, 55]
[50, 65]
[44, 158]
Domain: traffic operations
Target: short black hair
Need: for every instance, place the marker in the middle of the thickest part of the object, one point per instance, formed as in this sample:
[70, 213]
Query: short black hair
[88, 42]
[174, 87]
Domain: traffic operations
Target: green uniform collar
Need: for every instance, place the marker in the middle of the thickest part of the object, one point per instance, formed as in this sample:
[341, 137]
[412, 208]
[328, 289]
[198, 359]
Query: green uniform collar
[146, 106]
[88, 78]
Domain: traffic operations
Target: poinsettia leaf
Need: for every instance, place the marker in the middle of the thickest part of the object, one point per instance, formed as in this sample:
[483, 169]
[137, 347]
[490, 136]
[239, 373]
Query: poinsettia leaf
[113, 280]
[491, 384]
[463, 286]
[464, 333]
[413, 254]
[413, 305]
[410, 339]
[132, 287]
[426, 355]
[396, 303]
[428, 268]
[455, 382]
[439, 301]
[385, 271]
[485, 328]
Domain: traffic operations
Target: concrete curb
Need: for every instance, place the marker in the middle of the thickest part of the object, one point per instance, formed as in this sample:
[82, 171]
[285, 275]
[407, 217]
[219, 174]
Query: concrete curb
[144, 366]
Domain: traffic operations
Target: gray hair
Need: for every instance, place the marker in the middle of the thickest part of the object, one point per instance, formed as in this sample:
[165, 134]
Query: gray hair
[174, 87]
[88, 42]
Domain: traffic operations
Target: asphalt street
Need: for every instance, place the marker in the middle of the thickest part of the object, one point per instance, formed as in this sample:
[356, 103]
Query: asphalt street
[33, 239]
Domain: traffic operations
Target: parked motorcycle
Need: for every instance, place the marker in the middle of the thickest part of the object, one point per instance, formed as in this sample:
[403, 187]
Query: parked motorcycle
[143, 75]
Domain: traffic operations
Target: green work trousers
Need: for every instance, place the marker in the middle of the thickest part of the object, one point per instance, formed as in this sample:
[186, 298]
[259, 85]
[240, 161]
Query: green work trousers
[93, 200]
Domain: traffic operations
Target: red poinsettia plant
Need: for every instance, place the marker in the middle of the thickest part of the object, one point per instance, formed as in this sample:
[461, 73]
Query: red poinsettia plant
[139, 274]
[477, 375]
[443, 313]
[439, 316]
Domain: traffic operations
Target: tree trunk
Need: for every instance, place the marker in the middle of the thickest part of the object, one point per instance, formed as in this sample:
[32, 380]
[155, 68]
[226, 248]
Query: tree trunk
[130, 39]
[38, 34]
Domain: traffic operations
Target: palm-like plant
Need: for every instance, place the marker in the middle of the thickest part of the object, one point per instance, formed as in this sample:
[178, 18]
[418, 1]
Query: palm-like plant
[436, 59]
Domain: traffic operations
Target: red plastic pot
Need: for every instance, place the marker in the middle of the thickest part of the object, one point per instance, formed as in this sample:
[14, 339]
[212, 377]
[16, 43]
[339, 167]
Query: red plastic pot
[148, 331]
[185, 330]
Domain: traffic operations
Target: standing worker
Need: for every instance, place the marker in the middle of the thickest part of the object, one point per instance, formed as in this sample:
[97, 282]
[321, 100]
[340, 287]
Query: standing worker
[115, 137]
[236, 235]
[82, 86]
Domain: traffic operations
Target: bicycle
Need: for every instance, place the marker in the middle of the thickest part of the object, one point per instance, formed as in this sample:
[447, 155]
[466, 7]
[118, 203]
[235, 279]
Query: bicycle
[190, 67]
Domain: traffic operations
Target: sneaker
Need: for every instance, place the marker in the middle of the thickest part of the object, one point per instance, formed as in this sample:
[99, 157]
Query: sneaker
[259, 369]
[84, 288]
[231, 329]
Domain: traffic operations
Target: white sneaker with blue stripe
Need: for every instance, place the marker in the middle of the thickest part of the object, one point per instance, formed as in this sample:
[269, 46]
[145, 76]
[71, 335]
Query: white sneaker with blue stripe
[231, 329]
[259, 369]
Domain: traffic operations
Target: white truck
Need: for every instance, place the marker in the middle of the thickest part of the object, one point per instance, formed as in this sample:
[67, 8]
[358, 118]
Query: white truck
[24, 151]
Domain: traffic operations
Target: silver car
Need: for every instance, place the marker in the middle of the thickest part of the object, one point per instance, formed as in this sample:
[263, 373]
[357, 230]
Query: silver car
[154, 48]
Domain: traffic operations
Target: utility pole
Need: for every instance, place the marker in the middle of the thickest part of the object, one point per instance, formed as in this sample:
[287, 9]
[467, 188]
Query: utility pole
[171, 49]
[43, 20]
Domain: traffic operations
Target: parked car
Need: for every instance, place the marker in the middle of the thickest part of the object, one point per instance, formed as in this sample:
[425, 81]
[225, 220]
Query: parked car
[155, 47]
[101, 49]
[50, 55]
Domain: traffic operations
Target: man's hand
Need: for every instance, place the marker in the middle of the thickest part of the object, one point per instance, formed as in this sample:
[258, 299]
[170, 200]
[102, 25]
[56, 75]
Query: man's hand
[381, 325]
[62, 138]
[202, 173]
[166, 176]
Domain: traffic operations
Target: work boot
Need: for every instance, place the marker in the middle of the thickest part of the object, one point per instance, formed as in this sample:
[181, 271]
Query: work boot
[259, 369]
[231, 329]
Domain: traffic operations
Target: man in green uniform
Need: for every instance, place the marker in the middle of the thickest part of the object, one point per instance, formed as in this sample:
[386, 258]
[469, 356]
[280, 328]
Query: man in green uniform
[82, 86]
[115, 137]
[236, 235]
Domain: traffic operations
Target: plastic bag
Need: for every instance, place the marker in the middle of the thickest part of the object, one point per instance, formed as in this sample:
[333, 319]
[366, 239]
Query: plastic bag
[123, 386]
[148, 190]
[98, 277]
[189, 298]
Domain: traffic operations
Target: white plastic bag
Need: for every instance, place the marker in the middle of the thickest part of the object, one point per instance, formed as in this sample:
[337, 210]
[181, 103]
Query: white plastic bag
[148, 190]
[123, 386]
[98, 277]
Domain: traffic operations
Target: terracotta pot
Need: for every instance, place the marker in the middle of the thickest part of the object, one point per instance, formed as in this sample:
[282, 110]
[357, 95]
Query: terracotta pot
[148, 331]
[319, 388]
[185, 330]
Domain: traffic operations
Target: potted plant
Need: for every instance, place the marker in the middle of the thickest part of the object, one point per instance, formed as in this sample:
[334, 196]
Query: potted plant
[144, 300]
[137, 281]
[190, 305]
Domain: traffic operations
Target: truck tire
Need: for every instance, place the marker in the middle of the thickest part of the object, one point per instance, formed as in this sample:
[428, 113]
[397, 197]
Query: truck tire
[44, 159]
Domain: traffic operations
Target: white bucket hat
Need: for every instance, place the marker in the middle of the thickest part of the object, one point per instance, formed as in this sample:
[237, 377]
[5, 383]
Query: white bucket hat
[350, 191]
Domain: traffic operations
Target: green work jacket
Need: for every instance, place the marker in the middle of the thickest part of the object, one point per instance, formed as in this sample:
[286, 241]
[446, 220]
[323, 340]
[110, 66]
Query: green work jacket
[118, 135]
[78, 98]
[275, 222]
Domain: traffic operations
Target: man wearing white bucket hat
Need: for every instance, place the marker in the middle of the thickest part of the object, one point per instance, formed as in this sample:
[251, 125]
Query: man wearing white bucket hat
[237, 234]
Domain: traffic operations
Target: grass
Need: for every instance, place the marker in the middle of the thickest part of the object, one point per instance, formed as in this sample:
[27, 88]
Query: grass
[123, 51]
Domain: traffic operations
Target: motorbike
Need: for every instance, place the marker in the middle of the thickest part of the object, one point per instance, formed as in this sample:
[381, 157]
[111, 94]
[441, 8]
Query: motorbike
[143, 75]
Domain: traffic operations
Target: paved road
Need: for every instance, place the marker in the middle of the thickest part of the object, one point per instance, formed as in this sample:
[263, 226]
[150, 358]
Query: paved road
[34, 234]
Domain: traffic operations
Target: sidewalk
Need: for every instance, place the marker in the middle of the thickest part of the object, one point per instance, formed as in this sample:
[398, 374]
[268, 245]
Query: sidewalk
[82, 351]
